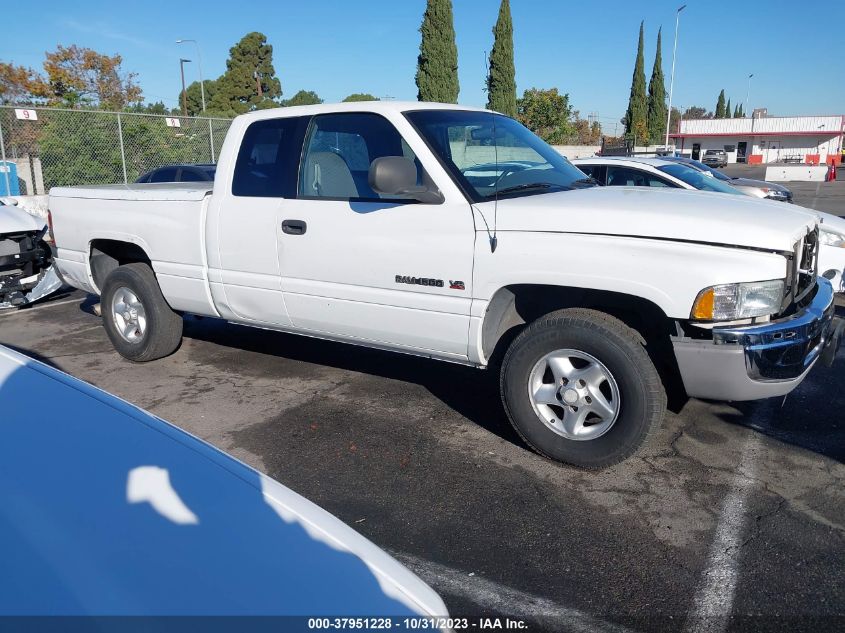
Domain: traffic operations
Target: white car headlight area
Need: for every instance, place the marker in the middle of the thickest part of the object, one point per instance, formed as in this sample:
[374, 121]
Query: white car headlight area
[827, 238]
[729, 302]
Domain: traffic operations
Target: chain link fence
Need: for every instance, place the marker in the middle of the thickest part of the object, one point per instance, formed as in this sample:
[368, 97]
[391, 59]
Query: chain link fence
[49, 147]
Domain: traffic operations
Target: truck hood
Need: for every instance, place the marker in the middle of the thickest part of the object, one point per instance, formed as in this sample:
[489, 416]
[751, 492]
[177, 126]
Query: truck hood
[14, 220]
[673, 214]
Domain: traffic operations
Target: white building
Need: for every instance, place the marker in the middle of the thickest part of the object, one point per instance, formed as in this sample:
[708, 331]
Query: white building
[764, 139]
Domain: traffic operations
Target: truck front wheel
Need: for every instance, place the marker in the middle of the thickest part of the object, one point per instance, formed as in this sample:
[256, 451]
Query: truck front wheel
[138, 321]
[579, 387]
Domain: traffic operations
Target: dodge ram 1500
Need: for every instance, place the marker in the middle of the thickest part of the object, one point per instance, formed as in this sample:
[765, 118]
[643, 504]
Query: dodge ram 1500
[457, 234]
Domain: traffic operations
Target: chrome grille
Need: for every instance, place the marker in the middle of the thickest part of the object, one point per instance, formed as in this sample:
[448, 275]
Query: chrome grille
[806, 264]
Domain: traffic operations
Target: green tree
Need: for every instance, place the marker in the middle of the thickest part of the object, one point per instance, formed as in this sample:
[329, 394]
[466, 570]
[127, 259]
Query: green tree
[193, 96]
[636, 117]
[250, 81]
[697, 112]
[437, 64]
[728, 109]
[360, 96]
[303, 97]
[657, 98]
[674, 120]
[547, 113]
[720, 105]
[501, 76]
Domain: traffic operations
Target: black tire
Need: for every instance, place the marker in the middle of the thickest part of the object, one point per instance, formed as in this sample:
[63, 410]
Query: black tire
[162, 330]
[620, 349]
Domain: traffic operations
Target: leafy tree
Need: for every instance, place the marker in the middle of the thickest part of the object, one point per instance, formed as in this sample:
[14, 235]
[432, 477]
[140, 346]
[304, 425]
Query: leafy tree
[720, 105]
[728, 109]
[75, 76]
[501, 77]
[250, 81]
[636, 117]
[20, 85]
[674, 120]
[657, 98]
[547, 113]
[82, 76]
[586, 133]
[360, 96]
[697, 112]
[193, 96]
[303, 97]
[437, 64]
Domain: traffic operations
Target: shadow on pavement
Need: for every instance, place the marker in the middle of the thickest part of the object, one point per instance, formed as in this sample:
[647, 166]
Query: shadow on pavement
[470, 392]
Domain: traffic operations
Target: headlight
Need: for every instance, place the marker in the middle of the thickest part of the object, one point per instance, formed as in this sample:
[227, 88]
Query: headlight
[775, 194]
[831, 239]
[730, 302]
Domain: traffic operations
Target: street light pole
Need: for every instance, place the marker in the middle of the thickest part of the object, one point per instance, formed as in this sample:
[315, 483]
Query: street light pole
[672, 80]
[202, 97]
[184, 92]
[748, 92]
[199, 63]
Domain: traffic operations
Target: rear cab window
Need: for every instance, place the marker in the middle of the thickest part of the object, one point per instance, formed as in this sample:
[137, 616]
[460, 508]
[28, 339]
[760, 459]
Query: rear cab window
[268, 158]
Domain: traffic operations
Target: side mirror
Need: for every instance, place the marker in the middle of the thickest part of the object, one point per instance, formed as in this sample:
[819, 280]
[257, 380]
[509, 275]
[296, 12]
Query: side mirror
[397, 176]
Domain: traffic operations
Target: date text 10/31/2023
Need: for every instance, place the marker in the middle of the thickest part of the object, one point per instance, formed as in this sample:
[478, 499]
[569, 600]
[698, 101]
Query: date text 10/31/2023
[417, 623]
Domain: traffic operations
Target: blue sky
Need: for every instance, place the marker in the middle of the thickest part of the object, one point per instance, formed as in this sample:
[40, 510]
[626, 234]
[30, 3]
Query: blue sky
[587, 49]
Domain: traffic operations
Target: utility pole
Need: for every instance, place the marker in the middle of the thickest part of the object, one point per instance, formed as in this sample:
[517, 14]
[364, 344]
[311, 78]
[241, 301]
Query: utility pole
[672, 80]
[184, 92]
[748, 92]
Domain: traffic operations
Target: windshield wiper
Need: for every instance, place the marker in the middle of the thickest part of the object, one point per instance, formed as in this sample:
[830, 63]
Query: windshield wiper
[527, 186]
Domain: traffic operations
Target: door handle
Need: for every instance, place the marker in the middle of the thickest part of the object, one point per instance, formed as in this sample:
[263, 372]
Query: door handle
[294, 227]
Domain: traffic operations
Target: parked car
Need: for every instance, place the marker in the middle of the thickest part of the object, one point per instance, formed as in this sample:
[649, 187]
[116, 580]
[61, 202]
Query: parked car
[26, 260]
[759, 188]
[715, 158]
[381, 224]
[111, 511]
[673, 172]
[180, 173]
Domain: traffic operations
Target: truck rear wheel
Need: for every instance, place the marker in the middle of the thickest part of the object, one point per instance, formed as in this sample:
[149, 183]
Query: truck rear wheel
[138, 321]
[579, 387]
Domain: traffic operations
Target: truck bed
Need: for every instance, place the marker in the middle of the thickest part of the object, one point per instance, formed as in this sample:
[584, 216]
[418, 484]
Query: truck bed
[185, 191]
[166, 220]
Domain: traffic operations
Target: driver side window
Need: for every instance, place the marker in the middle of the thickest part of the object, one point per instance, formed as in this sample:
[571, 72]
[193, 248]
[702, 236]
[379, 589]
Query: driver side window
[338, 151]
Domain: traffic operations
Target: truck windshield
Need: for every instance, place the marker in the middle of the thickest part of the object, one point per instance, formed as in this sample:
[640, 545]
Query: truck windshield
[698, 179]
[492, 155]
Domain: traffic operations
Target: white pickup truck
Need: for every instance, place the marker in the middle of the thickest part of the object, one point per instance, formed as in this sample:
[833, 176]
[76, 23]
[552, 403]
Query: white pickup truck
[455, 233]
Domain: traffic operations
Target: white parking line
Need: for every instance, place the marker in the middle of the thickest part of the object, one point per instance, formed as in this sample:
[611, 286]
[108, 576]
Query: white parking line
[12, 311]
[514, 603]
[715, 595]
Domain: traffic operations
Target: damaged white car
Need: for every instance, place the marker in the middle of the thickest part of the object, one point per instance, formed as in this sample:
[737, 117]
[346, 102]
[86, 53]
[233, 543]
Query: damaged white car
[26, 260]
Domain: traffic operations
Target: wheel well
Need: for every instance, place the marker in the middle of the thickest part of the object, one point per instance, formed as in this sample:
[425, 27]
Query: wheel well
[106, 255]
[514, 307]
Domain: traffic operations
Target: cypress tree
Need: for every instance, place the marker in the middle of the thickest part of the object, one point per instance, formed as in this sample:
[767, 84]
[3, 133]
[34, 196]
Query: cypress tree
[437, 64]
[720, 105]
[501, 78]
[728, 109]
[657, 98]
[636, 124]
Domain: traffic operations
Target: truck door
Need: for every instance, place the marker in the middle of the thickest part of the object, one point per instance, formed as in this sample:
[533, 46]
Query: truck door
[246, 215]
[358, 266]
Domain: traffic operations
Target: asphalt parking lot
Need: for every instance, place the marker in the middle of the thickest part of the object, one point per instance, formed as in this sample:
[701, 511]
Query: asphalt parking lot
[733, 518]
[821, 196]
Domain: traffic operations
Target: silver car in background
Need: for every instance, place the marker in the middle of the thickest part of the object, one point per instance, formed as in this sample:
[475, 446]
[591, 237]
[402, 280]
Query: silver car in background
[749, 186]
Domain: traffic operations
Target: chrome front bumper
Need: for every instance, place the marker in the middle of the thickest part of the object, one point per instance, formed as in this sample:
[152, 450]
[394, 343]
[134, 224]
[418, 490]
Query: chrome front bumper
[761, 361]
